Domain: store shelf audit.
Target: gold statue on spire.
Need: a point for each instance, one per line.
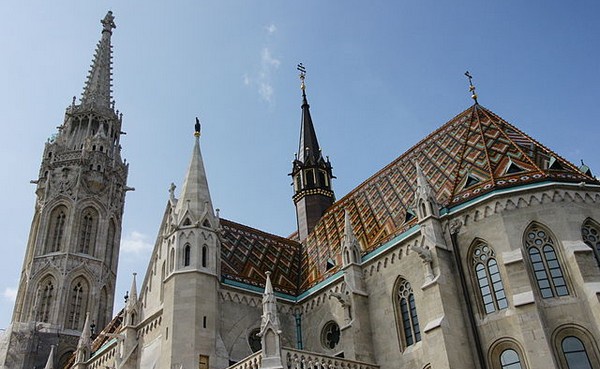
(471, 87)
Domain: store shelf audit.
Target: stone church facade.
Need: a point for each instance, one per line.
(477, 248)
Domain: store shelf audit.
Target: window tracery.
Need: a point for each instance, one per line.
(545, 264)
(590, 232)
(88, 229)
(45, 300)
(489, 280)
(78, 299)
(56, 231)
(407, 318)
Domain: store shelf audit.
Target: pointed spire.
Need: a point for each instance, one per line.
(308, 150)
(350, 246)
(425, 200)
(132, 300)
(50, 362)
(97, 89)
(269, 317)
(195, 196)
(86, 336)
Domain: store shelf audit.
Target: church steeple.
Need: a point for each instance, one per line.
(311, 172)
(194, 203)
(97, 89)
(76, 228)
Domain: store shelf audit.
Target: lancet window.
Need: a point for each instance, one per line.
(575, 353)
(87, 231)
(489, 280)
(187, 250)
(45, 297)
(545, 262)
(509, 359)
(77, 304)
(406, 311)
(56, 232)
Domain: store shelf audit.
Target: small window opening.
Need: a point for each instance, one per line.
(513, 168)
(206, 223)
(204, 322)
(471, 181)
(554, 164)
(330, 263)
(187, 222)
(204, 256)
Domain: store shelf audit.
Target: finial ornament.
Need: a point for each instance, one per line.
(302, 71)
(108, 23)
(471, 87)
(197, 128)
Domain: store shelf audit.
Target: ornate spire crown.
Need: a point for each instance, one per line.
(97, 89)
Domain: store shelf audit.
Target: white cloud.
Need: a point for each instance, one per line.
(271, 28)
(265, 91)
(135, 242)
(10, 294)
(267, 60)
(246, 80)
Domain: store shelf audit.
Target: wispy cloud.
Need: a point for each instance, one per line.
(268, 65)
(135, 242)
(10, 294)
(271, 28)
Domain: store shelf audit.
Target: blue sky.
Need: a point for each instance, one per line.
(381, 76)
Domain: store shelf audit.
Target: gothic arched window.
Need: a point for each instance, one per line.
(489, 280)
(110, 243)
(406, 314)
(187, 250)
(56, 231)
(590, 232)
(171, 260)
(204, 256)
(545, 263)
(77, 304)
(88, 227)
(45, 298)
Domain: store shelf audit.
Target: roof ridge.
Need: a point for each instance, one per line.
(256, 230)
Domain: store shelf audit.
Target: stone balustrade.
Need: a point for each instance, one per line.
(298, 359)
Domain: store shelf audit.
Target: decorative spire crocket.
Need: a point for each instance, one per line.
(97, 89)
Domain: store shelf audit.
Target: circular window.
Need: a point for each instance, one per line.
(254, 340)
(330, 336)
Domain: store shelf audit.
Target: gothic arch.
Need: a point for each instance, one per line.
(45, 300)
(407, 321)
(88, 221)
(590, 233)
(486, 277)
(56, 227)
(585, 338)
(546, 266)
(111, 243)
(77, 304)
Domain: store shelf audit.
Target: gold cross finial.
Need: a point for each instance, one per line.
(197, 128)
(302, 71)
(471, 87)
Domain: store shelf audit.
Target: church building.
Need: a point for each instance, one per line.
(479, 247)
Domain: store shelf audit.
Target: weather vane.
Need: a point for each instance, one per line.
(471, 87)
(302, 71)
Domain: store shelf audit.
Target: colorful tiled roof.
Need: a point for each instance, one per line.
(247, 253)
(474, 153)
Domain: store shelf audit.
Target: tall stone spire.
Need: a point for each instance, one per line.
(311, 172)
(270, 331)
(76, 227)
(425, 200)
(194, 202)
(350, 245)
(97, 89)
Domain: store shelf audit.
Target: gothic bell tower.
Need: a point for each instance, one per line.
(71, 259)
(311, 173)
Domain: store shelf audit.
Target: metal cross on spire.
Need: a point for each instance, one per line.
(471, 87)
(302, 71)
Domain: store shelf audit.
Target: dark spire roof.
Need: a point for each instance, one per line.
(308, 150)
